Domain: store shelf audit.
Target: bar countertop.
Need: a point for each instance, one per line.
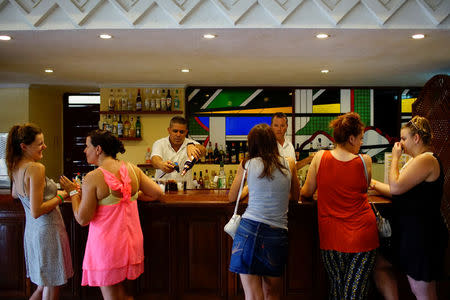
(182, 198)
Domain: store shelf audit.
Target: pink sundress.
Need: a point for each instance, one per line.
(115, 248)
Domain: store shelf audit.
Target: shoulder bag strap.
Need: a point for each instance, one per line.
(240, 189)
(365, 169)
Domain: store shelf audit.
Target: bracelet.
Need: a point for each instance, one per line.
(73, 193)
(60, 197)
(190, 143)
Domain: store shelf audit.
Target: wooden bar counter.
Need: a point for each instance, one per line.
(186, 250)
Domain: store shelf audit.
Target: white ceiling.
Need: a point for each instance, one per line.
(262, 57)
(259, 42)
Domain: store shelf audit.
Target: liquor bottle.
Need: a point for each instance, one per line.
(213, 180)
(138, 101)
(114, 125)
(241, 153)
(230, 179)
(100, 122)
(130, 103)
(319, 144)
(124, 100)
(222, 179)
(111, 101)
(132, 128)
(158, 100)
(163, 101)
(126, 127)
(311, 148)
(221, 154)
(176, 101)
(138, 127)
(227, 154)
(147, 100)
(233, 154)
(108, 124)
(188, 165)
(297, 152)
(147, 156)
(216, 155)
(206, 180)
(210, 158)
(194, 180)
(200, 181)
(118, 101)
(153, 101)
(169, 101)
(120, 127)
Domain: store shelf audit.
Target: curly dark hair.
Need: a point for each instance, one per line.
(110, 144)
(263, 143)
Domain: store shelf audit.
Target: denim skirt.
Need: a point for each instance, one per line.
(259, 249)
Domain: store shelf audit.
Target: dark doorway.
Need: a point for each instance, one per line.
(80, 116)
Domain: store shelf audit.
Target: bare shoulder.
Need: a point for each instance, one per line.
(93, 176)
(367, 158)
(36, 168)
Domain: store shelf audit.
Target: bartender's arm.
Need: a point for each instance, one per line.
(195, 149)
(164, 165)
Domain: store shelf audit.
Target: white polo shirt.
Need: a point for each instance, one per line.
(287, 150)
(163, 149)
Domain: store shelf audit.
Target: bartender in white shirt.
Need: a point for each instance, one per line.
(279, 126)
(175, 148)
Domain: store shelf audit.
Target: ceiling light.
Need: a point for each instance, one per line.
(209, 36)
(48, 71)
(185, 70)
(105, 36)
(325, 71)
(418, 36)
(322, 36)
(5, 37)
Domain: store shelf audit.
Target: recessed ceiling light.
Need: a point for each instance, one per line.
(105, 36)
(325, 71)
(209, 36)
(322, 36)
(48, 71)
(5, 37)
(418, 36)
(185, 70)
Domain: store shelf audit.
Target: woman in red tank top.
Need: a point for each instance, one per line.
(347, 225)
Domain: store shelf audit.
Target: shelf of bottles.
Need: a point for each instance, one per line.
(145, 101)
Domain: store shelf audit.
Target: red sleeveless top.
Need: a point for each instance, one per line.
(346, 220)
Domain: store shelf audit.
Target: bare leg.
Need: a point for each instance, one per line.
(50, 293)
(37, 294)
(423, 290)
(272, 288)
(385, 278)
(113, 292)
(252, 287)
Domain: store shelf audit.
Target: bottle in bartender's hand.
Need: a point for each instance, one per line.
(188, 165)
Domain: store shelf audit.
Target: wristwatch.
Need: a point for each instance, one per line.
(73, 193)
(190, 143)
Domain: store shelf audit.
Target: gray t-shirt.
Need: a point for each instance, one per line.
(268, 201)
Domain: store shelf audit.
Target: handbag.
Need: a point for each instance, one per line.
(384, 228)
(232, 225)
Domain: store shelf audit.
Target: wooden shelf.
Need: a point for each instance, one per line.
(142, 112)
(130, 139)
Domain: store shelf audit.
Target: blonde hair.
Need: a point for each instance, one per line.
(421, 126)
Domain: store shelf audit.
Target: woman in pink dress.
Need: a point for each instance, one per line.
(107, 203)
